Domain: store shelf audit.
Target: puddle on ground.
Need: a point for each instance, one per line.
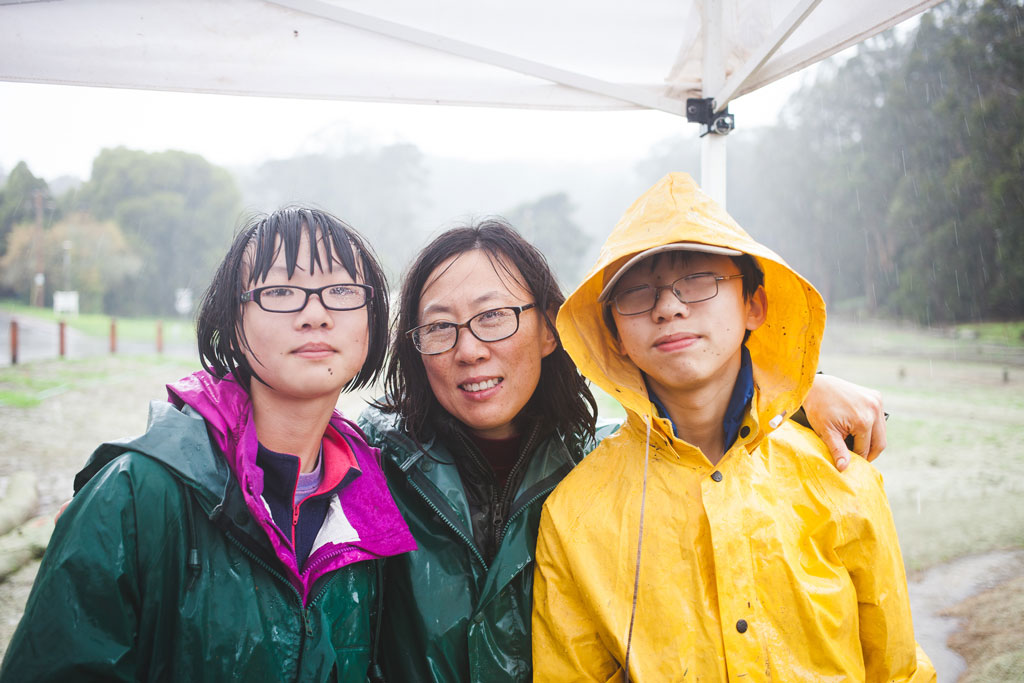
(947, 584)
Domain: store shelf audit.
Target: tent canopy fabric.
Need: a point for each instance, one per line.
(570, 54)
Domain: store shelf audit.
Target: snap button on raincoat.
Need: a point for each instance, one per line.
(770, 565)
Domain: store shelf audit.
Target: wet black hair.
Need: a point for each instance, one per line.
(753, 277)
(562, 396)
(250, 258)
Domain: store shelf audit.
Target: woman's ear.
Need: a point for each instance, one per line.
(549, 342)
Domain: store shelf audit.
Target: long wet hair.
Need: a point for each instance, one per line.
(247, 263)
(562, 396)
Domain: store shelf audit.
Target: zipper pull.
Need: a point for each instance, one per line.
(307, 623)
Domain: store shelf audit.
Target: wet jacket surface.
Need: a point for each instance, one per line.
(449, 615)
(770, 566)
(159, 570)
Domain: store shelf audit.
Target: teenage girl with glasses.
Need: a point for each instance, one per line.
(236, 539)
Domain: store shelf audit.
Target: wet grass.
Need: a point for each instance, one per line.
(29, 384)
(953, 469)
(990, 642)
(1009, 333)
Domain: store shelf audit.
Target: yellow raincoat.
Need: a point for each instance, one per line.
(770, 566)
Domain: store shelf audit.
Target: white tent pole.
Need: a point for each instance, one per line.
(712, 147)
(477, 53)
(783, 31)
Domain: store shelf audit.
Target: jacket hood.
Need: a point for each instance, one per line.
(179, 440)
(784, 350)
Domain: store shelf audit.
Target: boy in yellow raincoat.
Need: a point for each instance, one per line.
(711, 539)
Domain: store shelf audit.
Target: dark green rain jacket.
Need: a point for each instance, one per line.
(158, 572)
(448, 615)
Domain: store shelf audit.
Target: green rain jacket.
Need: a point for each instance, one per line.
(158, 571)
(448, 616)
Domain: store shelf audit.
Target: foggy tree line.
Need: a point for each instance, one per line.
(894, 181)
(142, 227)
(901, 172)
(146, 225)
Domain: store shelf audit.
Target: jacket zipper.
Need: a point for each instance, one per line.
(307, 629)
(330, 555)
(530, 502)
(458, 533)
(523, 456)
(470, 448)
(306, 612)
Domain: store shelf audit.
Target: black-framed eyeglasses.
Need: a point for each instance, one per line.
(342, 296)
(690, 289)
(487, 326)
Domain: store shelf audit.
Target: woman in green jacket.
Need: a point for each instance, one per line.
(485, 413)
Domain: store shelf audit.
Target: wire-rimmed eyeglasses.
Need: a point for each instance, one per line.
(487, 326)
(689, 289)
(342, 296)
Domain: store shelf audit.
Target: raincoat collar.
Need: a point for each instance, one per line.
(374, 528)
(742, 392)
(783, 351)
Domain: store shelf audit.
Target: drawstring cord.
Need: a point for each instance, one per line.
(639, 547)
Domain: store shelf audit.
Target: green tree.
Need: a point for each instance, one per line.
(78, 252)
(20, 197)
(960, 207)
(896, 180)
(547, 223)
(177, 212)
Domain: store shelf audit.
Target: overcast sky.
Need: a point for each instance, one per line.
(58, 130)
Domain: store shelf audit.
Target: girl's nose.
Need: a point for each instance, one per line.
(315, 314)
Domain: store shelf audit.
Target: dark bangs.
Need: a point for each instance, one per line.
(252, 254)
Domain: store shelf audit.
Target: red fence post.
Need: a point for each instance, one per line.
(14, 342)
(61, 329)
(159, 336)
(113, 335)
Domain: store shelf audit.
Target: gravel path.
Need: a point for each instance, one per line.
(53, 439)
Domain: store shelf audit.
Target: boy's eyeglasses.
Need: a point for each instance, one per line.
(690, 289)
(291, 298)
(488, 326)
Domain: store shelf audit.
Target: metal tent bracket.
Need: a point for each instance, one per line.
(702, 111)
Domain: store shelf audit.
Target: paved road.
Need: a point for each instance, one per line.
(39, 340)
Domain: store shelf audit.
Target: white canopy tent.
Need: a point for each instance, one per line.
(548, 54)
